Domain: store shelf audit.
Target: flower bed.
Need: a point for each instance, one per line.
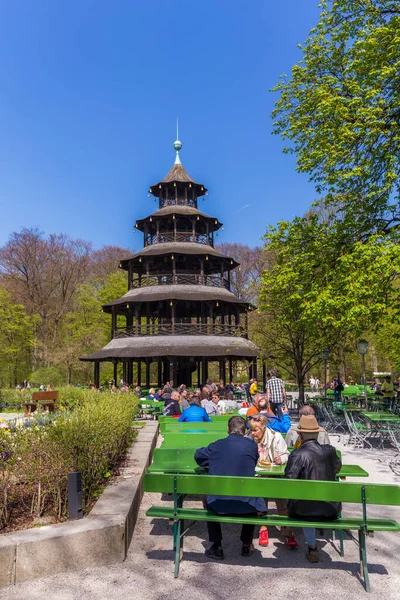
(37, 455)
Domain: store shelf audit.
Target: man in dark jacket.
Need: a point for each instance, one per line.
(235, 455)
(171, 405)
(312, 461)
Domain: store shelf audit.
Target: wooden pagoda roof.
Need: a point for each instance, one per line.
(178, 209)
(178, 248)
(175, 345)
(177, 174)
(197, 293)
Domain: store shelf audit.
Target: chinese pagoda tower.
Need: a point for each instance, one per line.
(179, 310)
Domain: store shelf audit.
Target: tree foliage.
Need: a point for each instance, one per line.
(319, 293)
(340, 111)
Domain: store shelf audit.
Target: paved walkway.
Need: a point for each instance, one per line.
(272, 572)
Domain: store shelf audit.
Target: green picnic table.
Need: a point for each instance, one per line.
(181, 460)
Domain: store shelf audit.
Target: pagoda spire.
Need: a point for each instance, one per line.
(177, 146)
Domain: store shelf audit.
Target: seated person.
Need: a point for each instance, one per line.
(211, 406)
(282, 425)
(292, 437)
(235, 455)
(312, 461)
(151, 394)
(272, 448)
(195, 413)
(171, 405)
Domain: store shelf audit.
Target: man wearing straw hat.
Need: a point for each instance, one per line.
(318, 462)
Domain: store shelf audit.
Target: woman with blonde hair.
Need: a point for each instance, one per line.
(273, 450)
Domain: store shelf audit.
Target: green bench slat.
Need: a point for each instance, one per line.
(262, 487)
(191, 440)
(198, 514)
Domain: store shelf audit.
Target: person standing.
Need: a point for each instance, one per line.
(316, 384)
(312, 383)
(387, 389)
(276, 393)
(253, 388)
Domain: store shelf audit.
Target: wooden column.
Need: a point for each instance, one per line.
(202, 271)
(255, 368)
(158, 230)
(198, 373)
(159, 372)
(129, 276)
(173, 319)
(130, 371)
(137, 318)
(230, 370)
(148, 362)
(221, 369)
(139, 372)
(124, 371)
(113, 320)
(145, 234)
(115, 371)
(96, 374)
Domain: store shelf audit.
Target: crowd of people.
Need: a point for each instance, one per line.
(257, 439)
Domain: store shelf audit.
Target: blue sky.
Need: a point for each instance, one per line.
(90, 91)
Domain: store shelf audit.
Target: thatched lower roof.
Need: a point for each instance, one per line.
(184, 345)
(158, 293)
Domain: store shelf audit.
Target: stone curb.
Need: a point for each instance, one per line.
(101, 538)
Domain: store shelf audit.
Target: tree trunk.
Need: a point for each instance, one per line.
(300, 383)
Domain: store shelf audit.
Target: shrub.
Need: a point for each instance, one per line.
(36, 457)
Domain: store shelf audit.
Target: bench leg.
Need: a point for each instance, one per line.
(341, 545)
(177, 546)
(363, 559)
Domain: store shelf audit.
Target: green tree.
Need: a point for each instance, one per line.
(87, 328)
(318, 293)
(340, 111)
(16, 340)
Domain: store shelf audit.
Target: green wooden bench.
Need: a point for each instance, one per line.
(150, 407)
(171, 424)
(191, 426)
(356, 493)
(192, 440)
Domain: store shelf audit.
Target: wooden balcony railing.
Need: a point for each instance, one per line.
(178, 236)
(178, 202)
(142, 329)
(180, 279)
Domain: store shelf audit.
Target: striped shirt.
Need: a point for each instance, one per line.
(275, 386)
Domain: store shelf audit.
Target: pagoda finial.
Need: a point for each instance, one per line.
(177, 145)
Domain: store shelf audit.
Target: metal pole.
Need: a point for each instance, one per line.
(365, 383)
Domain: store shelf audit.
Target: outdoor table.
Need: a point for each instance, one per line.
(181, 460)
(376, 417)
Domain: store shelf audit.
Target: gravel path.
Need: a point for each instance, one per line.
(274, 571)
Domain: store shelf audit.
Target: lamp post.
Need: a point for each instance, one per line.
(362, 348)
(325, 356)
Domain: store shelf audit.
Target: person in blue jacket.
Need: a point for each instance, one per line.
(281, 425)
(195, 413)
(235, 455)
